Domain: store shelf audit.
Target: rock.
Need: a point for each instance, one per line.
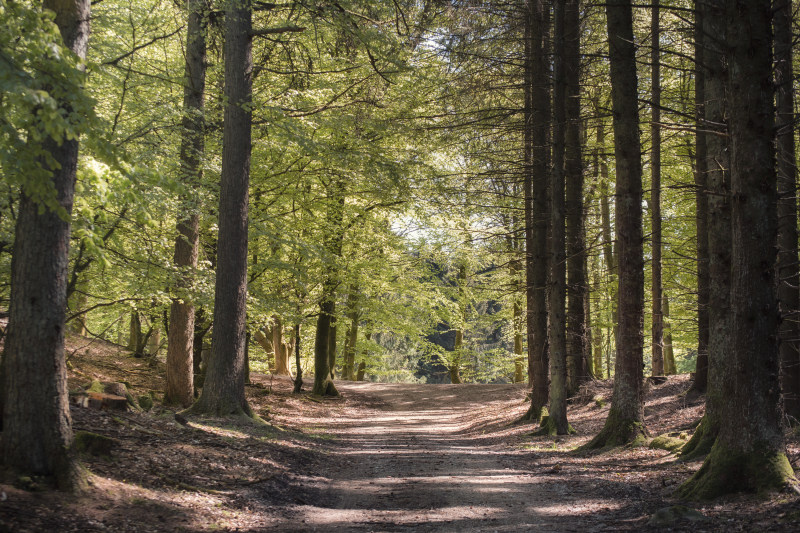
(665, 442)
(668, 516)
(92, 443)
(145, 402)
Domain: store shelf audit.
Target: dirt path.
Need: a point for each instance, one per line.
(434, 458)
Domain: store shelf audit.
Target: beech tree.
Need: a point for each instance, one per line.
(37, 432)
(223, 390)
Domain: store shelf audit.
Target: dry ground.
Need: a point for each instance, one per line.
(385, 457)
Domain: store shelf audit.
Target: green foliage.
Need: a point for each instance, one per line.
(41, 98)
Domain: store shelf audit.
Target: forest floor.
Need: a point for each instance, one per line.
(383, 457)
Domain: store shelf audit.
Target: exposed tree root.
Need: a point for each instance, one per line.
(549, 428)
(617, 432)
(701, 442)
(325, 388)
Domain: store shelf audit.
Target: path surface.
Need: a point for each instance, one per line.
(433, 458)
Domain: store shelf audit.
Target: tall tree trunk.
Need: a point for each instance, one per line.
(788, 274)
(37, 432)
(223, 392)
(556, 422)
(180, 375)
(578, 351)
(655, 192)
(537, 113)
(749, 452)
(700, 381)
(625, 421)
(351, 341)
(718, 224)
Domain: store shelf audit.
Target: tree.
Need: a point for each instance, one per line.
(578, 345)
(788, 270)
(180, 375)
(37, 433)
(749, 452)
(655, 191)
(718, 221)
(625, 422)
(536, 122)
(223, 390)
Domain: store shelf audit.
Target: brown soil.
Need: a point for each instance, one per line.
(385, 457)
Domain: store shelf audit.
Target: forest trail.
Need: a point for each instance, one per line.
(434, 458)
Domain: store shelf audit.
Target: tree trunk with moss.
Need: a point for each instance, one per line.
(37, 432)
(323, 384)
(625, 421)
(718, 224)
(223, 391)
(749, 452)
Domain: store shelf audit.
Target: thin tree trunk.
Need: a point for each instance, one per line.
(298, 378)
(556, 422)
(788, 274)
(655, 192)
(180, 375)
(537, 113)
(749, 452)
(625, 422)
(669, 353)
(37, 432)
(578, 349)
(223, 393)
(700, 381)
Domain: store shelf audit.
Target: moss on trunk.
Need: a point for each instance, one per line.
(618, 431)
(701, 442)
(726, 470)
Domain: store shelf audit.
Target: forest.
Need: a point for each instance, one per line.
(355, 206)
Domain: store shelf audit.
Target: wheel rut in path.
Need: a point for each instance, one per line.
(427, 458)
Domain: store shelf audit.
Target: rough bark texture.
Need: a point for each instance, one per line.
(700, 382)
(578, 351)
(788, 274)
(625, 421)
(37, 432)
(180, 368)
(655, 192)
(556, 287)
(223, 391)
(718, 223)
(537, 112)
(749, 452)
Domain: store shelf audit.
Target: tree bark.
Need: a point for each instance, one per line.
(180, 374)
(788, 274)
(279, 348)
(37, 432)
(749, 452)
(578, 351)
(536, 116)
(655, 192)
(223, 393)
(625, 422)
(556, 422)
(700, 381)
(718, 223)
